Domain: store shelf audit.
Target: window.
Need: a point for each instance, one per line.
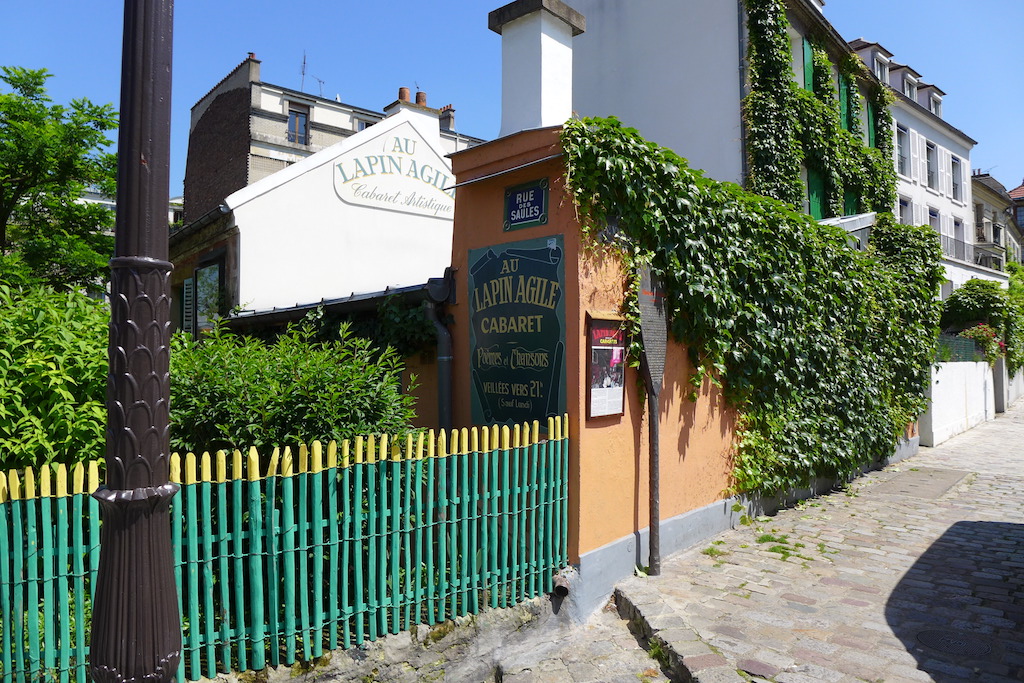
(910, 87)
(298, 123)
(958, 230)
(902, 151)
(931, 155)
(1020, 217)
(933, 219)
(935, 105)
(882, 69)
(957, 176)
(363, 125)
(209, 298)
(906, 211)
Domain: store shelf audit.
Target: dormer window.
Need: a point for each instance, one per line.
(881, 69)
(935, 105)
(910, 87)
(298, 123)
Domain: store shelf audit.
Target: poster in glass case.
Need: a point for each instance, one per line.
(607, 368)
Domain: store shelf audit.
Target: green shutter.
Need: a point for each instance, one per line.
(872, 136)
(844, 102)
(808, 66)
(849, 203)
(815, 193)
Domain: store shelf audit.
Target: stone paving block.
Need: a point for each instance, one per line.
(719, 675)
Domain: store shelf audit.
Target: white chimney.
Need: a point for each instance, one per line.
(536, 62)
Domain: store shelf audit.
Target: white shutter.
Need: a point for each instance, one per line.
(915, 158)
(919, 218)
(945, 163)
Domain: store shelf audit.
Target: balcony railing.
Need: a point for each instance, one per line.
(962, 251)
(958, 249)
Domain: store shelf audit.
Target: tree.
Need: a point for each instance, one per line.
(50, 154)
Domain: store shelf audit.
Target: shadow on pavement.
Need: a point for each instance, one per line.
(960, 608)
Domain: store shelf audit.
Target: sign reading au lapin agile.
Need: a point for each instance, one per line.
(397, 170)
(517, 335)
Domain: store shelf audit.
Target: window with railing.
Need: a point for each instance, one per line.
(931, 155)
(298, 124)
(902, 153)
(956, 173)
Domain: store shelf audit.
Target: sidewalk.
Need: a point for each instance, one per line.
(916, 573)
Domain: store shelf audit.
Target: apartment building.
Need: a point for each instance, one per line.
(932, 158)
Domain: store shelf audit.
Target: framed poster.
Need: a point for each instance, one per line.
(517, 331)
(606, 368)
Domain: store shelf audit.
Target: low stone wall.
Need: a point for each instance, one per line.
(470, 648)
(962, 395)
(1015, 388)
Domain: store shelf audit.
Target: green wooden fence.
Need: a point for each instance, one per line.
(282, 562)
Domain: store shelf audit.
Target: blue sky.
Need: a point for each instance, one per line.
(363, 52)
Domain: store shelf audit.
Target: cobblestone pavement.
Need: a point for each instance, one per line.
(601, 651)
(914, 573)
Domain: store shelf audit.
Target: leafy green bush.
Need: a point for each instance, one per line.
(53, 376)
(988, 339)
(975, 301)
(229, 391)
(1014, 329)
(226, 391)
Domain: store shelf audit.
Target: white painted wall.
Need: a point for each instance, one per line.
(961, 396)
(669, 69)
(959, 272)
(309, 232)
(1015, 388)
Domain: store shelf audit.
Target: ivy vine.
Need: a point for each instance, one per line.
(824, 350)
(789, 126)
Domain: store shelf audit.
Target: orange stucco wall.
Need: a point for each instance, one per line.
(608, 459)
(424, 367)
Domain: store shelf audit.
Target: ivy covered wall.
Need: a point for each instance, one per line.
(824, 349)
(815, 125)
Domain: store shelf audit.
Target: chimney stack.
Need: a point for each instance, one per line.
(536, 62)
(447, 118)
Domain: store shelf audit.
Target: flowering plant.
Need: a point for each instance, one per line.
(984, 336)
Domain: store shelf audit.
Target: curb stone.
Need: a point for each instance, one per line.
(688, 657)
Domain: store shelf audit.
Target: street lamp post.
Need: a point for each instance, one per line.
(136, 628)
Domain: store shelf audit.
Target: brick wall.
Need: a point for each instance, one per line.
(218, 153)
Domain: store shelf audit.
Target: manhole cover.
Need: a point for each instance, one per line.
(921, 482)
(953, 643)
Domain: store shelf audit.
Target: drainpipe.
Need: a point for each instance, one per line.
(439, 292)
(444, 366)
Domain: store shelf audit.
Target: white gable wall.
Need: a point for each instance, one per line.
(363, 215)
(669, 69)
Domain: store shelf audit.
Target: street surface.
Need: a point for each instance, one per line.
(913, 573)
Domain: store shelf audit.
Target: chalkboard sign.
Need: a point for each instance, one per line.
(653, 328)
(517, 331)
(526, 206)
